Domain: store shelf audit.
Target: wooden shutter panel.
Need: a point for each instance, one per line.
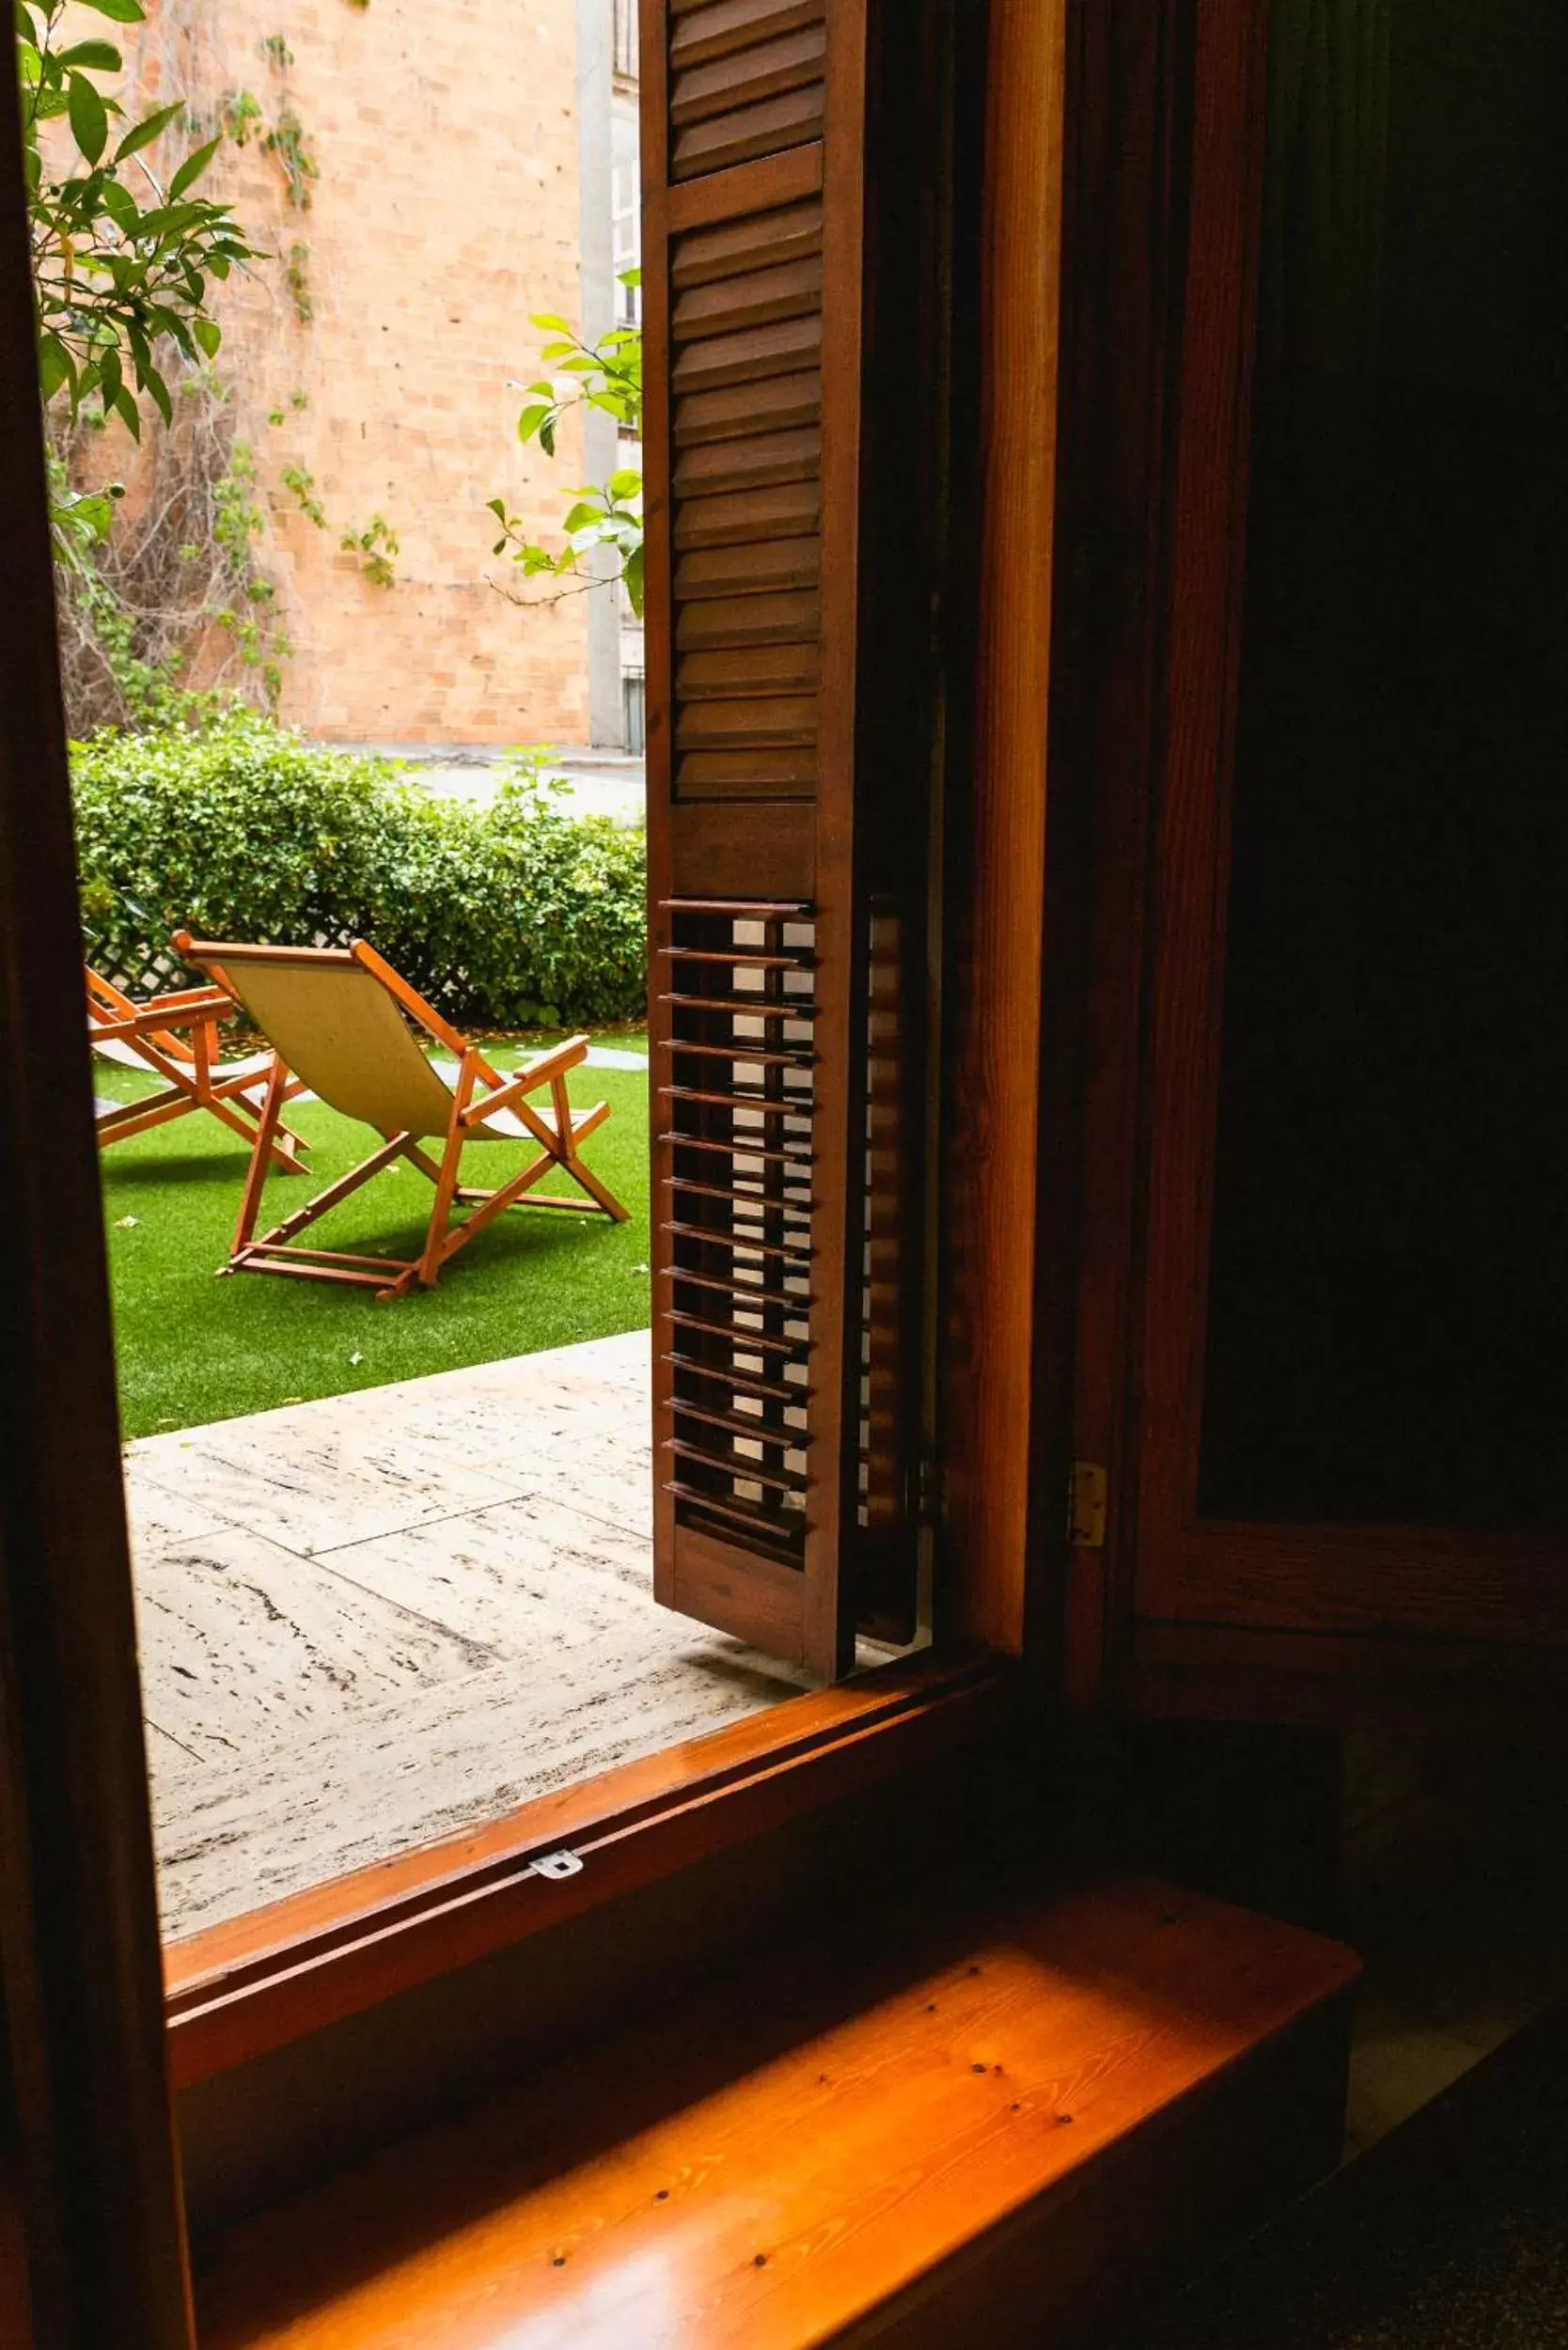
(786, 822)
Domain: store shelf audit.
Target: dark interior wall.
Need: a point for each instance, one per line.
(1390, 1262)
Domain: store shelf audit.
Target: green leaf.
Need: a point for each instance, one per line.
(627, 483)
(634, 577)
(547, 436)
(209, 333)
(121, 11)
(150, 128)
(549, 319)
(120, 205)
(530, 420)
(90, 116)
(153, 383)
(126, 409)
(102, 56)
(55, 367)
(192, 169)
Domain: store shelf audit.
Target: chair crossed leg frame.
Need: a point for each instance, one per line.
(197, 1077)
(558, 1132)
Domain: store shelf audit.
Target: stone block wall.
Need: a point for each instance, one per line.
(388, 331)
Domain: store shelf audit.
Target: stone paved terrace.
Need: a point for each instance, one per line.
(377, 1620)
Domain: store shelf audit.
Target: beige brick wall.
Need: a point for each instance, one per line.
(446, 211)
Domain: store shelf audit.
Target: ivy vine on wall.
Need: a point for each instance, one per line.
(176, 570)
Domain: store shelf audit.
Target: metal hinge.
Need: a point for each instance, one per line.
(927, 1491)
(1086, 1506)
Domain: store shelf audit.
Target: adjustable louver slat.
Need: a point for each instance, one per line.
(764, 241)
(748, 721)
(727, 139)
(740, 518)
(781, 404)
(786, 1318)
(745, 464)
(749, 669)
(737, 1241)
(750, 570)
(793, 290)
(748, 73)
(721, 361)
(703, 30)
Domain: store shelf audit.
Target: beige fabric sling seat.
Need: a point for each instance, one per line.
(175, 1037)
(338, 1019)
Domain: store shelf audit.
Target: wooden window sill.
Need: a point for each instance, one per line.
(252, 1985)
(1003, 2126)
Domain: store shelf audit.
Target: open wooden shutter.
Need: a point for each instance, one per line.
(787, 824)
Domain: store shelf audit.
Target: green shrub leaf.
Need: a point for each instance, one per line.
(503, 916)
(90, 116)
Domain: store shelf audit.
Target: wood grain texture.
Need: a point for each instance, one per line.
(1123, 343)
(784, 404)
(721, 141)
(752, 188)
(756, 240)
(78, 1923)
(724, 305)
(716, 28)
(995, 1082)
(745, 73)
(724, 675)
(776, 2164)
(1207, 566)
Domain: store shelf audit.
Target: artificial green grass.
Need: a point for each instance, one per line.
(192, 1348)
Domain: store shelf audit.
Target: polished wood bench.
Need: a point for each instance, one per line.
(1008, 2129)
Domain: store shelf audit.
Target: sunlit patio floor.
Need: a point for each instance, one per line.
(377, 1620)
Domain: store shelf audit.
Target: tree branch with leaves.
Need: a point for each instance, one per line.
(121, 258)
(605, 375)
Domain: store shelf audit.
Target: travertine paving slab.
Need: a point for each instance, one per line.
(434, 1763)
(244, 1646)
(375, 1621)
(314, 1475)
(519, 1578)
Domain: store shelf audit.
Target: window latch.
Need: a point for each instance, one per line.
(556, 1864)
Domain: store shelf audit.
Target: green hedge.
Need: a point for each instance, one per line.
(511, 915)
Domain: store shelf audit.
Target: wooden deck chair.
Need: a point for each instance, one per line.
(175, 1037)
(336, 1019)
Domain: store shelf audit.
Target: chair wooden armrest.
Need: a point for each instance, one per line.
(170, 1013)
(549, 1066)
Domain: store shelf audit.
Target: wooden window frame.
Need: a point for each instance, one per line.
(1176, 1614)
(92, 2059)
